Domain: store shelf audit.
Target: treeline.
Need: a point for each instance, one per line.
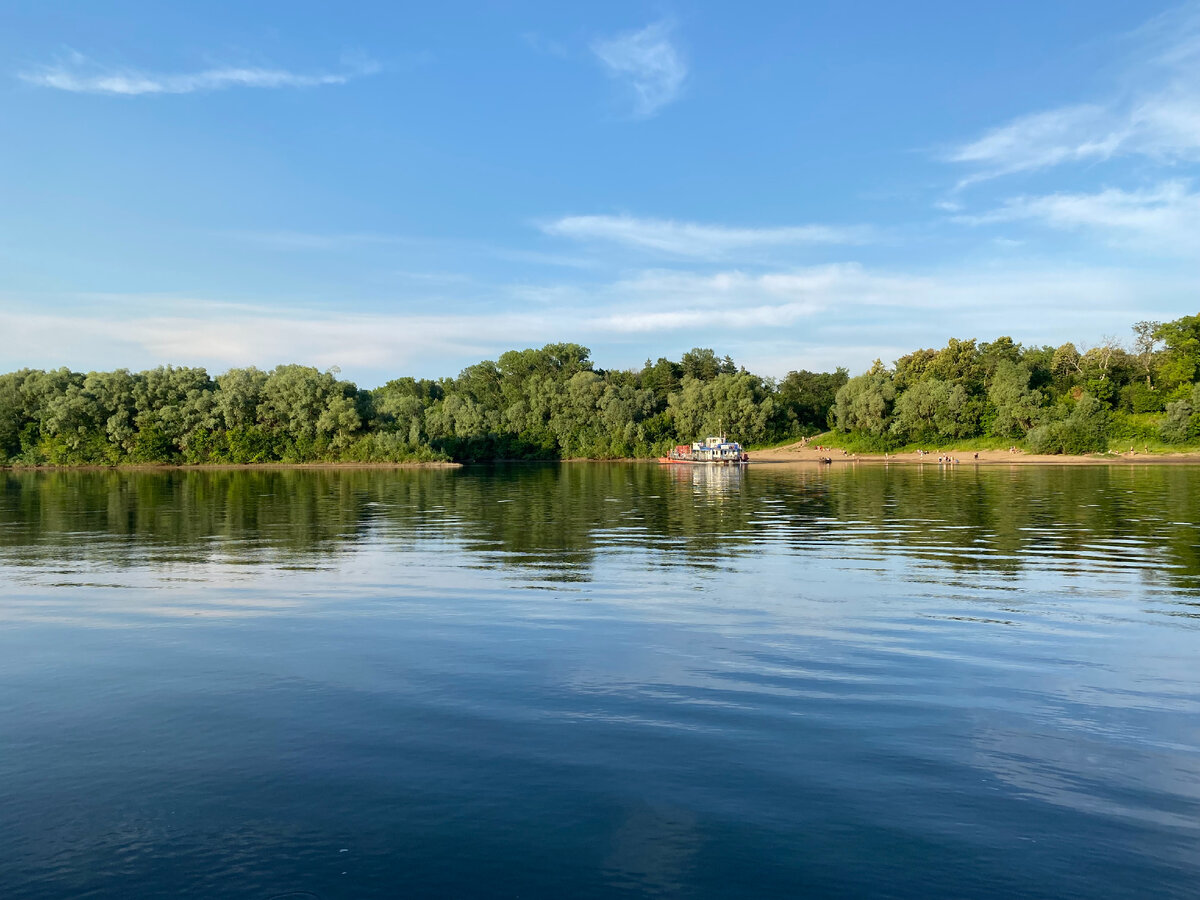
(549, 403)
(553, 403)
(1050, 399)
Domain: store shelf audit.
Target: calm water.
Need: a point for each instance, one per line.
(601, 681)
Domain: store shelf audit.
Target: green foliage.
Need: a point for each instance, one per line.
(1017, 407)
(552, 403)
(807, 398)
(1182, 421)
(1085, 429)
(1139, 397)
(1133, 431)
(702, 363)
(865, 403)
(1181, 363)
(1056, 400)
(918, 410)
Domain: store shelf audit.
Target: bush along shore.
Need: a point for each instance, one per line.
(553, 403)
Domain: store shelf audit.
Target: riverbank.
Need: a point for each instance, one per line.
(802, 452)
(219, 467)
(792, 453)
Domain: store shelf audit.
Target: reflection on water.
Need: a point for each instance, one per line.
(988, 522)
(598, 680)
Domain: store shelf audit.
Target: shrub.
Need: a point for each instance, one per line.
(1085, 430)
(1139, 397)
(1044, 439)
(1176, 427)
(1135, 429)
(1182, 421)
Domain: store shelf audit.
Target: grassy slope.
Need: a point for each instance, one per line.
(1136, 431)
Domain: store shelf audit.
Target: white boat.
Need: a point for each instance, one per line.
(711, 450)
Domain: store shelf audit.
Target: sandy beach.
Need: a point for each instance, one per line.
(801, 452)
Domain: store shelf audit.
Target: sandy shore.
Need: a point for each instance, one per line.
(802, 453)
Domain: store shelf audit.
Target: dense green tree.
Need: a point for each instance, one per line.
(1182, 421)
(1064, 365)
(865, 403)
(661, 379)
(239, 396)
(913, 368)
(12, 418)
(1085, 429)
(310, 407)
(958, 362)
(807, 398)
(733, 404)
(1181, 363)
(960, 416)
(994, 354)
(920, 409)
(399, 407)
(551, 402)
(1017, 407)
(700, 363)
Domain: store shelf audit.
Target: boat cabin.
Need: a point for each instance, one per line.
(717, 448)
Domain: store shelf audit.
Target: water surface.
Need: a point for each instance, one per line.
(601, 681)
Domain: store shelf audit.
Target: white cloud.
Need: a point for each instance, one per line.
(668, 300)
(648, 62)
(221, 335)
(1072, 133)
(79, 75)
(1163, 218)
(1155, 113)
(1049, 302)
(851, 313)
(689, 239)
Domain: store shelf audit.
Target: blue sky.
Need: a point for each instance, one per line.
(408, 188)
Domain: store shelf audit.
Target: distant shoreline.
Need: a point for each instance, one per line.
(218, 467)
(797, 454)
(774, 456)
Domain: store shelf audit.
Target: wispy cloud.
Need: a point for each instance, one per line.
(220, 335)
(1162, 218)
(1155, 113)
(854, 312)
(674, 300)
(882, 305)
(691, 239)
(1044, 139)
(648, 63)
(78, 74)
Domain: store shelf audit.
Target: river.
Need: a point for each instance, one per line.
(601, 680)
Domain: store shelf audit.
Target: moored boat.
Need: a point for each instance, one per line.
(710, 451)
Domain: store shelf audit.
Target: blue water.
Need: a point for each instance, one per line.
(601, 681)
